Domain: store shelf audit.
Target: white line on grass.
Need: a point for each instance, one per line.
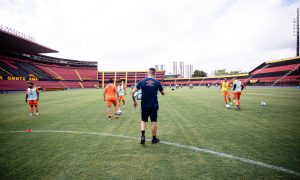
(220, 154)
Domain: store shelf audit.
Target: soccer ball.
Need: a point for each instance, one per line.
(227, 106)
(119, 112)
(138, 95)
(263, 103)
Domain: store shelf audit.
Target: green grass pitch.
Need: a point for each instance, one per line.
(192, 117)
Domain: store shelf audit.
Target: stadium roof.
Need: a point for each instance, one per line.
(209, 77)
(140, 71)
(11, 42)
(285, 59)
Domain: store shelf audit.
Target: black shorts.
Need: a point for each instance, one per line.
(152, 112)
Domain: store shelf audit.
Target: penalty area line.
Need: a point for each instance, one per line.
(207, 151)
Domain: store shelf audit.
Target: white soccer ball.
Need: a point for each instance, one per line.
(227, 106)
(263, 103)
(119, 112)
(138, 95)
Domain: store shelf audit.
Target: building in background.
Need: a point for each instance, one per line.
(157, 67)
(175, 68)
(162, 67)
(181, 68)
(188, 70)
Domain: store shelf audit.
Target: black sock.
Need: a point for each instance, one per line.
(154, 137)
(143, 133)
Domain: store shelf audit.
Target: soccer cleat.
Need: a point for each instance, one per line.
(116, 116)
(36, 113)
(155, 141)
(143, 140)
(238, 108)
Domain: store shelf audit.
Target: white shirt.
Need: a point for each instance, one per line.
(238, 86)
(121, 90)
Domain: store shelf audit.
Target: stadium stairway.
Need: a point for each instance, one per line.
(81, 84)
(290, 72)
(78, 74)
(3, 72)
(31, 69)
(256, 72)
(28, 70)
(13, 70)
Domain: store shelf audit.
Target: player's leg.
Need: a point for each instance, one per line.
(30, 103)
(36, 107)
(229, 99)
(238, 100)
(144, 116)
(119, 103)
(115, 108)
(31, 110)
(153, 118)
(224, 95)
(143, 129)
(123, 100)
(234, 98)
(108, 102)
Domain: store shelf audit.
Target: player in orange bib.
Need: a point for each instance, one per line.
(110, 94)
(225, 87)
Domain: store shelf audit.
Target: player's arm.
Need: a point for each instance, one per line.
(161, 89)
(132, 96)
(243, 86)
(234, 86)
(117, 92)
(220, 87)
(26, 97)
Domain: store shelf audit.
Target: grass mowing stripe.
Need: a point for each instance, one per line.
(220, 154)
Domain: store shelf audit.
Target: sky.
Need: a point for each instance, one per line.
(138, 34)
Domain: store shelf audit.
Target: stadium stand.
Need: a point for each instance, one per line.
(21, 61)
(9, 85)
(69, 73)
(202, 81)
(279, 72)
(129, 77)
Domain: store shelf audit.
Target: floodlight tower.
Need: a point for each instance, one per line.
(296, 23)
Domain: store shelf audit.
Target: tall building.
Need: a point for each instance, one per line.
(181, 68)
(175, 68)
(157, 67)
(162, 67)
(189, 70)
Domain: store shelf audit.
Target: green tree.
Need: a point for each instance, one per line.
(198, 73)
(221, 72)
